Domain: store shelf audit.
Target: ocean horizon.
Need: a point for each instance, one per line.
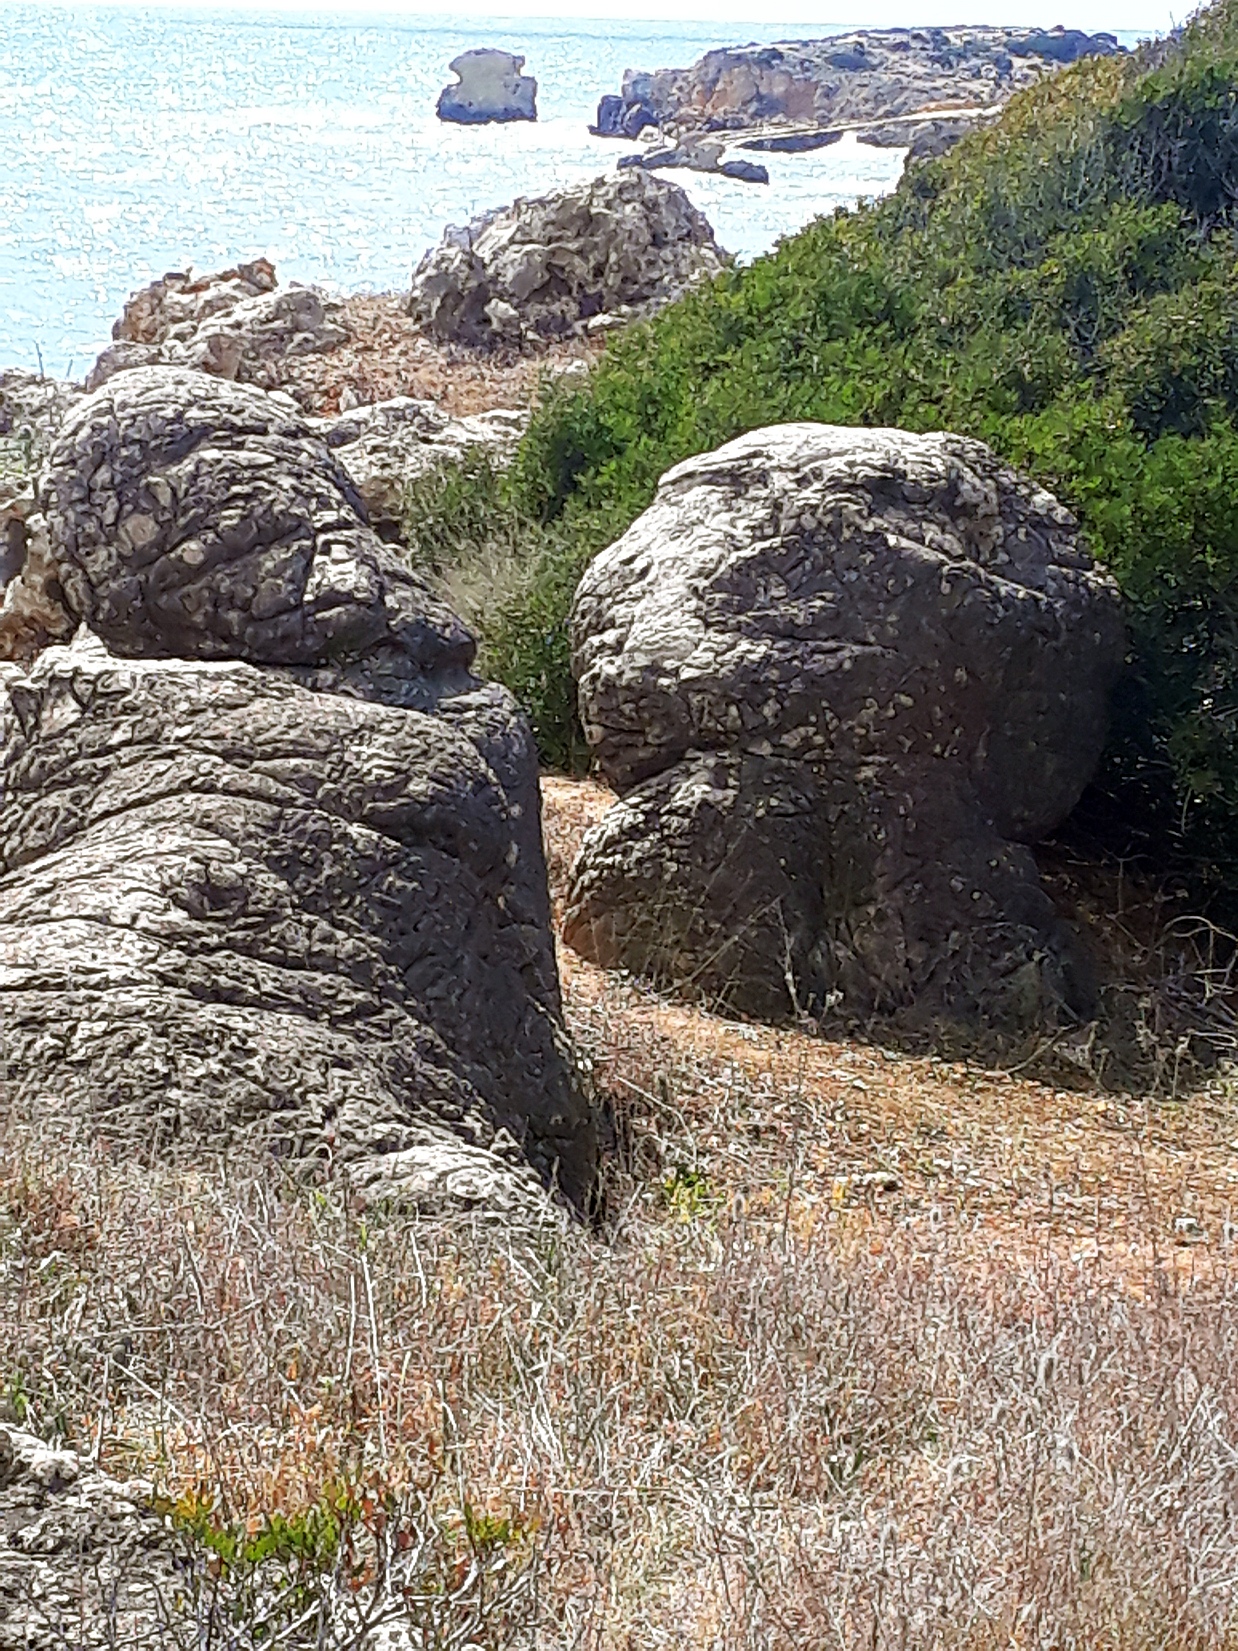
(135, 141)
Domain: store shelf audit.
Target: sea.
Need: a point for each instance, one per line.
(139, 140)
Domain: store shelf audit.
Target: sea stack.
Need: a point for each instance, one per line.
(490, 87)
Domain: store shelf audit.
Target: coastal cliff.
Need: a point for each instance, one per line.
(864, 76)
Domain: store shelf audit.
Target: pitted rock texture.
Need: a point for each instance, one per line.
(237, 324)
(841, 680)
(193, 518)
(83, 1562)
(276, 874)
(619, 245)
(385, 445)
(489, 87)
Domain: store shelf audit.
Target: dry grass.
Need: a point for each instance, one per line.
(872, 1351)
(388, 355)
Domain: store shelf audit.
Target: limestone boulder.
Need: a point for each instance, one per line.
(237, 324)
(489, 87)
(842, 680)
(83, 1560)
(270, 858)
(385, 445)
(546, 268)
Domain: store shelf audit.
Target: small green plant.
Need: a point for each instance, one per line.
(688, 1194)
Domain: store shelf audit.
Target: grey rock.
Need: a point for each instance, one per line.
(385, 445)
(32, 409)
(194, 518)
(270, 858)
(842, 679)
(83, 1561)
(544, 268)
(237, 324)
(923, 139)
(619, 118)
(490, 87)
(864, 76)
(744, 171)
(794, 143)
(697, 155)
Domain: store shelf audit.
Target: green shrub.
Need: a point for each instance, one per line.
(1063, 285)
(510, 575)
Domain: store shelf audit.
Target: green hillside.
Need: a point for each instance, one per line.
(1064, 286)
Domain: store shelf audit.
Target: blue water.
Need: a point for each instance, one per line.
(136, 141)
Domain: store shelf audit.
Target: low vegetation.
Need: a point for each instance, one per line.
(867, 1350)
(1062, 286)
(862, 1359)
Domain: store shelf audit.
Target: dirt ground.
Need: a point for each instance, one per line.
(1108, 1180)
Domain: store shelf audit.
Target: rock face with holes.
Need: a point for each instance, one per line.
(270, 861)
(489, 87)
(842, 680)
(236, 324)
(385, 445)
(618, 246)
(83, 1561)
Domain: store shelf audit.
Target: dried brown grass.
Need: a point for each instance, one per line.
(871, 1351)
(387, 355)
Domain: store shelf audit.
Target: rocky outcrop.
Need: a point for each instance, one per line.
(618, 246)
(842, 679)
(32, 409)
(385, 445)
(617, 118)
(793, 143)
(270, 866)
(83, 1560)
(861, 77)
(924, 138)
(698, 155)
(489, 87)
(238, 324)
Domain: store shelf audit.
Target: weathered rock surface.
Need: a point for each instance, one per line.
(622, 244)
(238, 324)
(32, 409)
(385, 445)
(618, 119)
(698, 155)
(83, 1562)
(794, 143)
(924, 138)
(270, 864)
(32, 612)
(841, 680)
(490, 87)
(864, 76)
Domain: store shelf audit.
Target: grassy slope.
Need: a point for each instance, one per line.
(1063, 286)
(875, 1351)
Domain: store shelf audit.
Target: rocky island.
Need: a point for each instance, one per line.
(807, 90)
(489, 87)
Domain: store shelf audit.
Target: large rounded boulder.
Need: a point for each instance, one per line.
(614, 247)
(270, 860)
(842, 679)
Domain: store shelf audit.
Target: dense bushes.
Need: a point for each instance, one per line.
(1063, 285)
